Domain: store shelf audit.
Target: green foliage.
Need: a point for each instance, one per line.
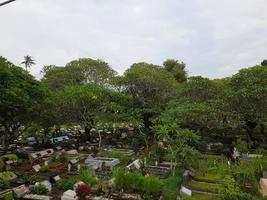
(152, 185)
(40, 189)
(20, 97)
(242, 146)
(235, 194)
(2, 164)
(6, 174)
(44, 168)
(67, 183)
(171, 185)
(134, 182)
(9, 196)
(121, 156)
(176, 68)
(12, 157)
(4, 184)
(87, 176)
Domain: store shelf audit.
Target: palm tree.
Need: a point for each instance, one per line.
(28, 61)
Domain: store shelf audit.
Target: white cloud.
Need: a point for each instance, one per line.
(214, 37)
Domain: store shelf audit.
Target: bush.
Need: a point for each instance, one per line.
(122, 157)
(63, 158)
(44, 168)
(67, 184)
(152, 185)
(87, 177)
(9, 196)
(6, 174)
(13, 157)
(4, 184)
(130, 182)
(134, 182)
(229, 194)
(40, 189)
(83, 190)
(242, 146)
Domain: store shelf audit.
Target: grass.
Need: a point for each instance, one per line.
(204, 185)
(199, 196)
(213, 177)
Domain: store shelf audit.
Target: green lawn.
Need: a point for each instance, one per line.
(212, 177)
(204, 185)
(198, 196)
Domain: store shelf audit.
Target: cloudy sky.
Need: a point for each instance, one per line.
(214, 38)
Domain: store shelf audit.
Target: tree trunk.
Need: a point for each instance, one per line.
(5, 141)
(100, 140)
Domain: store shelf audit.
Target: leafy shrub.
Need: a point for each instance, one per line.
(122, 157)
(9, 196)
(83, 190)
(63, 158)
(230, 194)
(242, 146)
(87, 177)
(54, 158)
(134, 182)
(152, 185)
(40, 189)
(44, 168)
(13, 157)
(67, 184)
(4, 184)
(6, 174)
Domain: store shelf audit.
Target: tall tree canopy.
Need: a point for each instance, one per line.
(151, 88)
(248, 97)
(81, 71)
(177, 69)
(20, 97)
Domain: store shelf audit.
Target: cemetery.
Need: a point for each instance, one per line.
(84, 132)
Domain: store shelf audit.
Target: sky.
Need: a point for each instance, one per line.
(215, 38)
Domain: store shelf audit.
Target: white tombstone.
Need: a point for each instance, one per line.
(69, 195)
(46, 163)
(185, 191)
(21, 191)
(79, 168)
(57, 178)
(69, 167)
(36, 168)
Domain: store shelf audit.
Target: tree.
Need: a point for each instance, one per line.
(264, 63)
(201, 106)
(248, 98)
(81, 71)
(91, 71)
(92, 106)
(151, 87)
(20, 99)
(28, 62)
(177, 69)
(176, 139)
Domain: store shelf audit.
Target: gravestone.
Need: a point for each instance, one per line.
(47, 184)
(73, 161)
(36, 168)
(21, 191)
(36, 197)
(185, 191)
(69, 195)
(54, 179)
